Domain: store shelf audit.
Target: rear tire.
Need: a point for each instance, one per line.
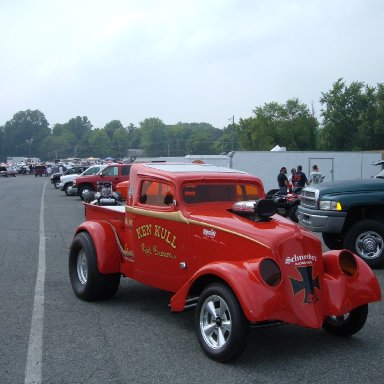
(347, 324)
(86, 280)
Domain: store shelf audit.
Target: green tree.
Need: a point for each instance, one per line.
(288, 125)
(351, 117)
(99, 143)
(154, 139)
(24, 133)
(112, 127)
(79, 126)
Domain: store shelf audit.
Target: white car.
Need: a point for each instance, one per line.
(67, 180)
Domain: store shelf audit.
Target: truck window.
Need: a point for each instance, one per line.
(111, 171)
(223, 192)
(156, 193)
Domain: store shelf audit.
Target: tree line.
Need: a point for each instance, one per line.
(351, 119)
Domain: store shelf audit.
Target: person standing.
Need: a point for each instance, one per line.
(293, 170)
(299, 179)
(282, 181)
(315, 177)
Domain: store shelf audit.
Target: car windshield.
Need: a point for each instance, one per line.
(196, 193)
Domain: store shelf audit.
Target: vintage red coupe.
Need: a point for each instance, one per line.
(207, 235)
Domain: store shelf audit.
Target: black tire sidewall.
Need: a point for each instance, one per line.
(354, 323)
(293, 213)
(82, 241)
(332, 240)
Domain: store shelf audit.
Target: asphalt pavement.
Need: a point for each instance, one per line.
(48, 335)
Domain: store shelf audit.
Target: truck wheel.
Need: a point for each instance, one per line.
(57, 184)
(347, 324)
(84, 190)
(87, 282)
(293, 213)
(366, 239)
(67, 189)
(332, 240)
(221, 326)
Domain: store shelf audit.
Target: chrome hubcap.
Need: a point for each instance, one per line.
(215, 322)
(369, 245)
(82, 268)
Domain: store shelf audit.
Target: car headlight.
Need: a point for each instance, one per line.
(330, 205)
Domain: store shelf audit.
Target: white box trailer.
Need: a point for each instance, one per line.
(333, 165)
(266, 164)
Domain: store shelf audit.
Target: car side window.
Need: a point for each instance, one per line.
(156, 193)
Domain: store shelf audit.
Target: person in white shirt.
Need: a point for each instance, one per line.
(315, 177)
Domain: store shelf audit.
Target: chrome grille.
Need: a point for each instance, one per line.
(309, 197)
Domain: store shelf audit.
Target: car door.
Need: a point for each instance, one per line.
(160, 239)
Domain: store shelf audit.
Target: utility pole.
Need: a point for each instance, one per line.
(233, 129)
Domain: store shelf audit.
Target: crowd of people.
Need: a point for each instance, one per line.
(298, 179)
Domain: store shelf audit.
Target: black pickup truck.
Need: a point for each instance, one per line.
(350, 214)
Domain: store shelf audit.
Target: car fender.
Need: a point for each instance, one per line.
(253, 294)
(106, 246)
(342, 292)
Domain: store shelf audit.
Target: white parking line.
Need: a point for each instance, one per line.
(33, 368)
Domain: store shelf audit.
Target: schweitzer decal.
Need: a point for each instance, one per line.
(308, 283)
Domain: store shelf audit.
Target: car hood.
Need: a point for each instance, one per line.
(270, 233)
(346, 186)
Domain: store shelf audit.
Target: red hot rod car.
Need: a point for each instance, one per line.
(207, 235)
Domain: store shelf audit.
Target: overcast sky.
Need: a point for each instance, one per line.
(181, 61)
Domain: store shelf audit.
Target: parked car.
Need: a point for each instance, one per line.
(40, 170)
(66, 181)
(55, 177)
(7, 172)
(115, 173)
(349, 214)
(122, 188)
(206, 235)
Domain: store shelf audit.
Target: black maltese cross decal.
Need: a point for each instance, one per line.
(308, 283)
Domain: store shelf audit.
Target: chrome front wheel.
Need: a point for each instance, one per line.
(215, 322)
(220, 323)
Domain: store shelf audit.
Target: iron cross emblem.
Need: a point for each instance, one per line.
(308, 283)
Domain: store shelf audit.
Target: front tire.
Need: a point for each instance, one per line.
(332, 240)
(293, 213)
(366, 240)
(83, 190)
(347, 324)
(67, 189)
(221, 326)
(86, 280)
